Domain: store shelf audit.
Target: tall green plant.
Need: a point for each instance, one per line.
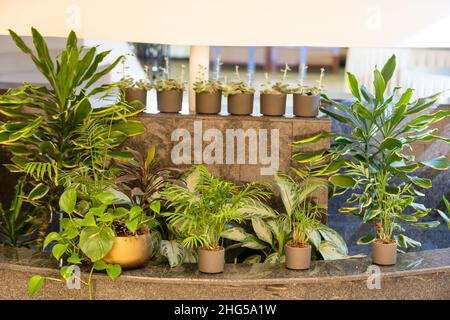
(203, 205)
(372, 161)
(43, 127)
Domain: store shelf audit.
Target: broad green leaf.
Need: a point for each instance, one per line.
(235, 233)
(403, 242)
(388, 69)
(253, 243)
(66, 272)
(333, 238)
(129, 127)
(314, 237)
(52, 236)
(58, 250)
(426, 225)
(256, 258)
(155, 206)
(274, 258)
(150, 157)
(262, 230)
(68, 200)
(96, 242)
(439, 163)
(88, 220)
(260, 210)
(315, 138)
(330, 252)
(366, 239)
(390, 144)
(106, 197)
(39, 191)
(82, 110)
(174, 251)
(74, 258)
(380, 85)
(406, 96)
(342, 180)
(113, 271)
(353, 85)
(100, 265)
(421, 182)
(34, 284)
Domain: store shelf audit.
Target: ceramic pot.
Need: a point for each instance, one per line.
(306, 106)
(297, 258)
(273, 104)
(169, 101)
(211, 261)
(384, 254)
(208, 103)
(133, 94)
(131, 251)
(241, 103)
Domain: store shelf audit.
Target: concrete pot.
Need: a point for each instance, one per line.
(130, 252)
(297, 258)
(273, 104)
(384, 254)
(241, 103)
(211, 261)
(208, 103)
(133, 94)
(169, 101)
(306, 106)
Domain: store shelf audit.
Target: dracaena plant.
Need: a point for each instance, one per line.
(279, 87)
(166, 83)
(372, 162)
(43, 125)
(238, 86)
(202, 205)
(89, 228)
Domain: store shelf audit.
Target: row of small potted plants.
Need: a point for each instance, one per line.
(240, 94)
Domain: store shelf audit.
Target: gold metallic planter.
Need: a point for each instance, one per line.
(130, 252)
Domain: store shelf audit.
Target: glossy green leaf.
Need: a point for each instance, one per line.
(52, 236)
(262, 230)
(421, 182)
(96, 242)
(353, 85)
(342, 180)
(235, 233)
(39, 191)
(379, 84)
(113, 271)
(388, 69)
(58, 250)
(253, 243)
(174, 251)
(366, 239)
(34, 284)
(439, 163)
(390, 144)
(68, 200)
(426, 225)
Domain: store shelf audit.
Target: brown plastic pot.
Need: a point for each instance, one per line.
(306, 106)
(211, 261)
(208, 103)
(130, 252)
(297, 258)
(133, 94)
(384, 254)
(169, 101)
(241, 103)
(273, 104)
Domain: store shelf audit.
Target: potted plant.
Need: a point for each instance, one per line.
(202, 206)
(169, 91)
(307, 99)
(273, 96)
(135, 90)
(46, 149)
(373, 164)
(240, 95)
(208, 93)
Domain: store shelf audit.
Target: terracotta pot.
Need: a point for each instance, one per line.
(211, 261)
(130, 252)
(297, 258)
(133, 94)
(384, 254)
(169, 101)
(208, 103)
(306, 106)
(273, 104)
(241, 103)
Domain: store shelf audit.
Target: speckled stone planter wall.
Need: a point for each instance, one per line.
(421, 275)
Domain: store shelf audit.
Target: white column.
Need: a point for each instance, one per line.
(199, 55)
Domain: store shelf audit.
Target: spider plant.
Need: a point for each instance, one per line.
(202, 206)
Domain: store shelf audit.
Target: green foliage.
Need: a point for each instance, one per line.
(444, 216)
(372, 162)
(18, 227)
(166, 83)
(210, 86)
(202, 205)
(279, 87)
(238, 86)
(308, 90)
(46, 126)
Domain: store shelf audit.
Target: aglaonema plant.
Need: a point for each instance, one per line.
(372, 161)
(43, 123)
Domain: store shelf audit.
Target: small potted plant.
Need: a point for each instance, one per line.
(208, 93)
(307, 99)
(240, 95)
(169, 91)
(273, 96)
(201, 207)
(135, 90)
